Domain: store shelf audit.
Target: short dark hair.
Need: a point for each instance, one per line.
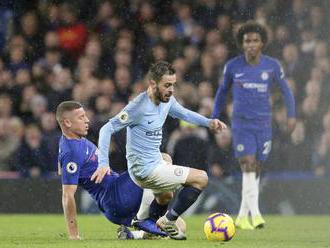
(66, 106)
(251, 27)
(160, 69)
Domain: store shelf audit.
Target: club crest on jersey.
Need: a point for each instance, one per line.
(264, 76)
(71, 167)
(178, 171)
(123, 117)
(240, 147)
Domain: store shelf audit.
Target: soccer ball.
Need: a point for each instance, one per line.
(219, 227)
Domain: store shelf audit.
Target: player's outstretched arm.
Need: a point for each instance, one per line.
(103, 158)
(70, 210)
(125, 118)
(216, 125)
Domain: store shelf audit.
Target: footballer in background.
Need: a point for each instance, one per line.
(251, 76)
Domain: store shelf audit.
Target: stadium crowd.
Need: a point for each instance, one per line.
(98, 53)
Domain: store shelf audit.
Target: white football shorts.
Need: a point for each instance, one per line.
(165, 177)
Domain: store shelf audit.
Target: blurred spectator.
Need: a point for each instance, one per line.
(52, 59)
(8, 144)
(6, 20)
(38, 107)
(206, 106)
(207, 12)
(221, 160)
(16, 128)
(321, 156)
(5, 106)
(17, 59)
(308, 42)
(318, 22)
(185, 22)
(122, 81)
(196, 155)
(52, 16)
(51, 136)
(33, 154)
(171, 42)
(278, 158)
(31, 30)
(300, 155)
(107, 88)
(51, 40)
(282, 37)
(205, 89)
(146, 13)
(59, 84)
(294, 65)
(28, 92)
(297, 16)
(209, 69)
(243, 10)
(72, 33)
(103, 17)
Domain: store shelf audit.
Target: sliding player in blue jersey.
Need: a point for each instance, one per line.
(144, 118)
(250, 76)
(118, 197)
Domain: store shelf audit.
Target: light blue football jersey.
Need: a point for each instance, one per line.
(144, 122)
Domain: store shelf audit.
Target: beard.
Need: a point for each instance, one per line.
(159, 96)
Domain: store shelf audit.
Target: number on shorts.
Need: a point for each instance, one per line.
(267, 147)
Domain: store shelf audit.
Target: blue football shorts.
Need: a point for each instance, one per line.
(255, 141)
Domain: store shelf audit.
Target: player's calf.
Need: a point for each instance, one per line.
(195, 183)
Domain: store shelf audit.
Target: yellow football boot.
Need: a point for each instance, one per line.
(243, 223)
(258, 222)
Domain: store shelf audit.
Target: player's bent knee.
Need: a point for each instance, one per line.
(197, 179)
(204, 179)
(164, 198)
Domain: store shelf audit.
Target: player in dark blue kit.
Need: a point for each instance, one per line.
(118, 197)
(250, 77)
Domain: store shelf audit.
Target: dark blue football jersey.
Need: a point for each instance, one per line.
(117, 196)
(251, 88)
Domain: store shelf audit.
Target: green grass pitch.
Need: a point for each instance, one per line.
(49, 231)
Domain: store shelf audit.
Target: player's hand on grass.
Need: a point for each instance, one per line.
(100, 173)
(291, 124)
(216, 125)
(76, 237)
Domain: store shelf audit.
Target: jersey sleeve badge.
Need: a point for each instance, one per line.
(123, 117)
(71, 167)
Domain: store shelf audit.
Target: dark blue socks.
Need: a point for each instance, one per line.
(185, 198)
(157, 210)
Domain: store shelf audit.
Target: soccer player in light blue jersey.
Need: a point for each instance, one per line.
(144, 118)
(250, 76)
(117, 197)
